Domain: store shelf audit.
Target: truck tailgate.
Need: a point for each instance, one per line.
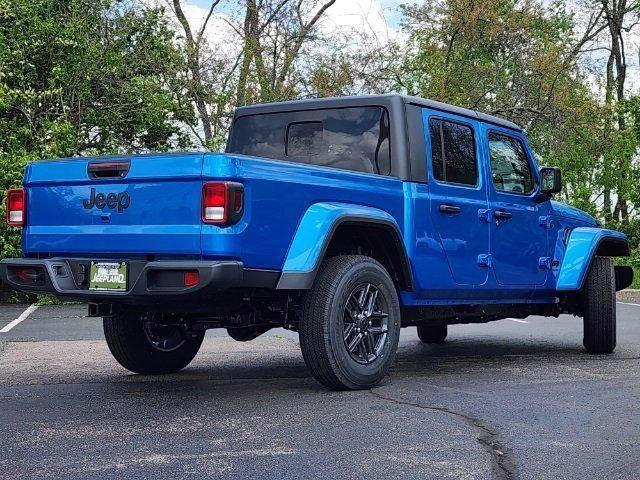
(152, 208)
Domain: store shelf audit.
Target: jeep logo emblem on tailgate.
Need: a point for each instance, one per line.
(109, 200)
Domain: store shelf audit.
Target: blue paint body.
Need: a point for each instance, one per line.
(315, 228)
(291, 210)
(582, 245)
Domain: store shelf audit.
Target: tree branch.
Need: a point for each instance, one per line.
(304, 32)
(272, 16)
(206, 21)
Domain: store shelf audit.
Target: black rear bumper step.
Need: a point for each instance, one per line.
(65, 277)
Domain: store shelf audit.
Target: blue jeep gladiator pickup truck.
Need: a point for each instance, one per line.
(342, 219)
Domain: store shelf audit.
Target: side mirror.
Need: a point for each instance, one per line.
(550, 180)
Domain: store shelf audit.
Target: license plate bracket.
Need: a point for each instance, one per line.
(108, 276)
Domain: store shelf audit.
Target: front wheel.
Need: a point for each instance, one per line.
(599, 307)
(143, 343)
(350, 323)
(432, 333)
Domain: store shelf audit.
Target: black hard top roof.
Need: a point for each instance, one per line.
(362, 100)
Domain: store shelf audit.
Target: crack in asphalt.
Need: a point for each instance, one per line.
(503, 461)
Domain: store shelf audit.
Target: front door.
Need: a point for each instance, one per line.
(519, 227)
(458, 194)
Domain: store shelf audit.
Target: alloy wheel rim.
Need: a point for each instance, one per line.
(366, 323)
(165, 338)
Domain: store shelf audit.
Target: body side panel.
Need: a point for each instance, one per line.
(433, 279)
(278, 195)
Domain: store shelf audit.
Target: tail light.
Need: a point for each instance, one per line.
(191, 279)
(16, 207)
(28, 276)
(222, 202)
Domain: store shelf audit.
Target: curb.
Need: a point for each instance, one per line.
(628, 294)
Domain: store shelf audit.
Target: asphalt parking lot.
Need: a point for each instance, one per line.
(509, 399)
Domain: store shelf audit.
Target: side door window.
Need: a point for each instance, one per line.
(510, 166)
(453, 152)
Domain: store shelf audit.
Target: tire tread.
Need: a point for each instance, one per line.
(599, 302)
(314, 327)
(432, 333)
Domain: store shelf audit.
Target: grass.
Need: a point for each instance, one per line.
(47, 300)
(40, 300)
(636, 278)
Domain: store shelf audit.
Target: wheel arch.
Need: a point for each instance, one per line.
(585, 243)
(326, 230)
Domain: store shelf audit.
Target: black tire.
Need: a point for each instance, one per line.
(136, 349)
(327, 319)
(599, 307)
(432, 333)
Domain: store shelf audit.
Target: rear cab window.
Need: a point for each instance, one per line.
(351, 138)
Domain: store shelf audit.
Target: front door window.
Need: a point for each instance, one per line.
(509, 164)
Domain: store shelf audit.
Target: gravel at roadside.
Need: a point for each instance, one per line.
(629, 296)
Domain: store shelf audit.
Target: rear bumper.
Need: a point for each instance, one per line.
(146, 281)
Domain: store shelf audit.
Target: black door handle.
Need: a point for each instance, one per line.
(449, 209)
(500, 214)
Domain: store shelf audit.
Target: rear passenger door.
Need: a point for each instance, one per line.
(458, 194)
(519, 231)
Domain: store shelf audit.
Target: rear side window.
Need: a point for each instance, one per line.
(509, 164)
(453, 152)
(354, 138)
(306, 138)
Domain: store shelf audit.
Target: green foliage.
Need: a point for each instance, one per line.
(84, 77)
(497, 55)
(43, 300)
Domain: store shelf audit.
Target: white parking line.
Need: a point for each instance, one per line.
(517, 320)
(627, 303)
(23, 316)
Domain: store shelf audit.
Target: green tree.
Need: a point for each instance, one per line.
(522, 60)
(84, 77)
(272, 37)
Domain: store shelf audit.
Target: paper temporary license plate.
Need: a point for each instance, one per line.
(108, 276)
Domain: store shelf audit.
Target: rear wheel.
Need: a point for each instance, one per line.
(142, 343)
(599, 307)
(432, 333)
(350, 323)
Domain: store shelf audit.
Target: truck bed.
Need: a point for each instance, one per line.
(163, 218)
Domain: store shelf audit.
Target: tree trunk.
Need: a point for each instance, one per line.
(246, 61)
(607, 205)
(614, 15)
(192, 50)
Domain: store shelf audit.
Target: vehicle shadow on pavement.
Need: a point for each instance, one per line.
(493, 349)
(224, 360)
